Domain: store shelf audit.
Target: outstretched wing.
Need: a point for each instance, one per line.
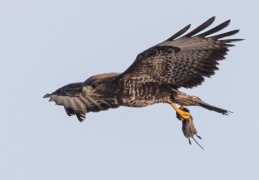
(70, 96)
(183, 62)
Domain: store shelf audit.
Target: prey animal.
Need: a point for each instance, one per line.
(188, 128)
(181, 61)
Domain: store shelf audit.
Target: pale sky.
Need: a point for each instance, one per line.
(45, 44)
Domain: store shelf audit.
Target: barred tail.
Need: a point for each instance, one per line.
(184, 99)
(213, 108)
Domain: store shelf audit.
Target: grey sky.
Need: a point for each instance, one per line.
(47, 44)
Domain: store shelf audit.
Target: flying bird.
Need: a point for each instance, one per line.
(183, 60)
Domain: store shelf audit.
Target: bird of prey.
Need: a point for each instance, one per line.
(183, 60)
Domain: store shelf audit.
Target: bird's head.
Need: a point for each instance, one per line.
(98, 84)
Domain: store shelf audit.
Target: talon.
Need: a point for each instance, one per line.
(183, 114)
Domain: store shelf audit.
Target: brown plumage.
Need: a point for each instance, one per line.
(155, 75)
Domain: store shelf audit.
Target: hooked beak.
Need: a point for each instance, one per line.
(87, 90)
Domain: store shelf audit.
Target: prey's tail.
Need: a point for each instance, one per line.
(196, 142)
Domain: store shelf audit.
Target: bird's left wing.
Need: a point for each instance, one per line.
(182, 62)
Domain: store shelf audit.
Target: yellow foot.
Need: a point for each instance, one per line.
(183, 114)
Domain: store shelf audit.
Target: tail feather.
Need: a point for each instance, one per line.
(213, 108)
(184, 99)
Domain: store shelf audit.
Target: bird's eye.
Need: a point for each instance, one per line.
(94, 85)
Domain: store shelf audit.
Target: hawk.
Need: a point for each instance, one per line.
(183, 60)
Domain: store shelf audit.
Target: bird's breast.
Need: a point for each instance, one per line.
(136, 94)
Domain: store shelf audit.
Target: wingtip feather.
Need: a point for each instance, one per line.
(201, 27)
(179, 33)
(46, 95)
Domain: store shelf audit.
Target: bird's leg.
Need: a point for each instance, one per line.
(183, 114)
